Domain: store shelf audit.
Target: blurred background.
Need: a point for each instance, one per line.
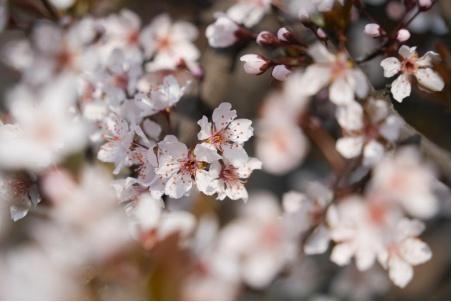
(225, 80)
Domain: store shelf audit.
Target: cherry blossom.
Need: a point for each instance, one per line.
(169, 43)
(249, 12)
(226, 134)
(305, 211)
(336, 71)
(367, 131)
(45, 131)
(179, 167)
(223, 32)
(154, 224)
(404, 178)
(258, 241)
(404, 251)
(411, 65)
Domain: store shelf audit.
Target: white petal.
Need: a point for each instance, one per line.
(239, 131)
(178, 185)
(179, 221)
(365, 258)
(206, 152)
(350, 147)
(341, 92)
(315, 78)
(406, 51)
(320, 53)
(391, 66)
(401, 88)
(207, 182)
(281, 72)
(415, 251)
(318, 242)
(350, 116)
(427, 59)
(400, 272)
(223, 115)
(235, 154)
(206, 128)
(360, 82)
(373, 153)
(390, 129)
(429, 79)
(341, 254)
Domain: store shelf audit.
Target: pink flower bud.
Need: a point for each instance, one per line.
(321, 33)
(266, 38)
(425, 4)
(254, 64)
(403, 35)
(284, 35)
(372, 30)
(281, 72)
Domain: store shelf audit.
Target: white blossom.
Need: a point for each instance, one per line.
(411, 65)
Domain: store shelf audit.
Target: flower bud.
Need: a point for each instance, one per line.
(425, 4)
(372, 30)
(403, 35)
(255, 64)
(281, 72)
(285, 36)
(320, 33)
(266, 38)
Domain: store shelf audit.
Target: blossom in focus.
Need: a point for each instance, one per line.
(226, 134)
(336, 71)
(411, 65)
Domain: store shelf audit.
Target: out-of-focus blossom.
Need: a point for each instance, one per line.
(170, 44)
(404, 251)
(336, 71)
(62, 4)
(411, 65)
(44, 130)
(306, 211)
(249, 12)
(281, 144)
(223, 32)
(154, 224)
(308, 8)
(367, 131)
(403, 178)
(258, 241)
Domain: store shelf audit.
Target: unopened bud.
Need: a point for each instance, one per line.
(255, 64)
(425, 4)
(372, 30)
(403, 35)
(266, 38)
(281, 72)
(321, 33)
